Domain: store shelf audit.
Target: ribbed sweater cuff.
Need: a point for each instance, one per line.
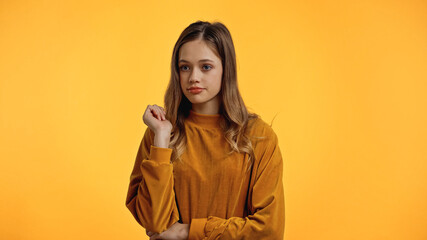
(197, 229)
(160, 154)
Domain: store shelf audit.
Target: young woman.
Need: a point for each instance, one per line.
(206, 168)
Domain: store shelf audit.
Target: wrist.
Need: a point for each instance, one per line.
(162, 139)
(163, 133)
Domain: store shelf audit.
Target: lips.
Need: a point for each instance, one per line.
(195, 90)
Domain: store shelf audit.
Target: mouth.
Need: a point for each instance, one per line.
(195, 90)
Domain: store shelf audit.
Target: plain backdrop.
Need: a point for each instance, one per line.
(344, 83)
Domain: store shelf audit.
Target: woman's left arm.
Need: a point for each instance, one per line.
(267, 204)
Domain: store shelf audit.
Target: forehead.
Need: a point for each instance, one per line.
(196, 50)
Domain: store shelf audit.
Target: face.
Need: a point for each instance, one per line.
(201, 69)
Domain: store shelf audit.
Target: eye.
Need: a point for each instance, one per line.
(183, 67)
(207, 66)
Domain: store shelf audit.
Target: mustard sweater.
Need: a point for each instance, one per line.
(209, 190)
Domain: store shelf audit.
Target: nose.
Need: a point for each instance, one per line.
(194, 76)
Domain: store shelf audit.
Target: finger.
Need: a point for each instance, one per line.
(161, 112)
(160, 107)
(155, 112)
(148, 110)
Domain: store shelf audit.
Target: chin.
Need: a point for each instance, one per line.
(196, 100)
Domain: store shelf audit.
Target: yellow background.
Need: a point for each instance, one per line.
(346, 81)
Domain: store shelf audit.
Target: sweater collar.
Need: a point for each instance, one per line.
(204, 120)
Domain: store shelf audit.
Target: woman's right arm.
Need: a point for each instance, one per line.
(151, 196)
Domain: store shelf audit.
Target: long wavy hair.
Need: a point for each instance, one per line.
(234, 122)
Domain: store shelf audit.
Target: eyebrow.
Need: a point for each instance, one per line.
(202, 60)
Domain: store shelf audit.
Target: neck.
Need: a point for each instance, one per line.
(204, 120)
(211, 107)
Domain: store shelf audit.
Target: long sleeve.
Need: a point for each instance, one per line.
(265, 202)
(151, 196)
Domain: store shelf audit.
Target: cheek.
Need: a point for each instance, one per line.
(181, 78)
(182, 88)
(218, 80)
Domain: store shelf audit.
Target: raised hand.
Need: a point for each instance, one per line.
(155, 118)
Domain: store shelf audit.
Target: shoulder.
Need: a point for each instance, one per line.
(262, 136)
(259, 129)
(265, 144)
